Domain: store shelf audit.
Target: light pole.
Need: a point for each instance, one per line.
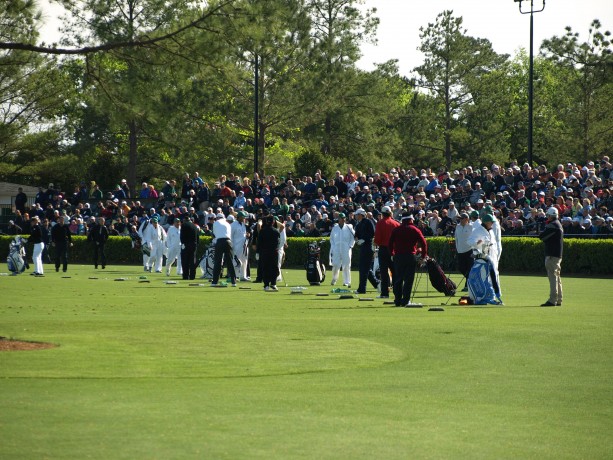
(256, 120)
(531, 71)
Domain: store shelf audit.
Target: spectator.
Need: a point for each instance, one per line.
(21, 199)
(13, 229)
(553, 237)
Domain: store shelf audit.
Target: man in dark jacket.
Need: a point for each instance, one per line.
(189, 244)
(553, 237)
(268, 250)
(364, 234)
(61, 239)
(99, 235)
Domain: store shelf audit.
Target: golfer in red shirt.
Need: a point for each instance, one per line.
(405, 243)
(383, 231)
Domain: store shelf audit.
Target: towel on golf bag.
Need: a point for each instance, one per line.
(483, 287)
(439, 280)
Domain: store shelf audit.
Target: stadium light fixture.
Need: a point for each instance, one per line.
(531, 12)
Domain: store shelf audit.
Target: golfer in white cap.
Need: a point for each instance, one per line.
(222, 233)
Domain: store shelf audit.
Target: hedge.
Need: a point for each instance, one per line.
(523, 255)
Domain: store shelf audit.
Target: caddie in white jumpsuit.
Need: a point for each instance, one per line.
(155, 237)
(342, 240)
(173, 244)
(240, 243)
(141, 232)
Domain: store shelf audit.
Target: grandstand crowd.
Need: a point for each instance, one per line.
(309, 205)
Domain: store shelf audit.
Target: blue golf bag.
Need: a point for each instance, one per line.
(483, 284)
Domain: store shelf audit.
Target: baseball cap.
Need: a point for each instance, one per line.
(220, 216)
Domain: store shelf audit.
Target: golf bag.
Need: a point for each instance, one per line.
(483, 286)
(16, 259)
(207, 263)
(315, 268)
(438, 279)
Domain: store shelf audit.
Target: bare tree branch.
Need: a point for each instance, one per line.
(111, 46)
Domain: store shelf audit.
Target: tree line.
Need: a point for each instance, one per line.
(148, 89)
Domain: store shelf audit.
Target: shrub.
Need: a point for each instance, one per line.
(526, 255)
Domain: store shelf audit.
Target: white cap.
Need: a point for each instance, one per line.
(220, 216)
(552, 212)
(359, 212)
(230, 218)
(386, 210)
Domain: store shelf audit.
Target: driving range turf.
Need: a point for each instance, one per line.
(156, 370)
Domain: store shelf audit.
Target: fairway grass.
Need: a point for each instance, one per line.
(159, 371)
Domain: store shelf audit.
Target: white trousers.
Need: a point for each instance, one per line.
(157, 252)
(239, 252)
(281, 255)
(37, 257)
(174, 253)
(346, 273)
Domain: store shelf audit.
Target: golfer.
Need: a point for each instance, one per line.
(405, 243)
(383, 231)
(553, 237)
(36, 237)
(342, 240)
(223, 249)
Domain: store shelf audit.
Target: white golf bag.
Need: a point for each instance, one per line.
(207, 263)
(16, 259)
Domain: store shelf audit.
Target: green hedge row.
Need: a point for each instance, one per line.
(581, 256)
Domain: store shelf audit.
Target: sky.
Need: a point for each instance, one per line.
(497, 20)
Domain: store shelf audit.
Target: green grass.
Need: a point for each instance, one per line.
(173, 371)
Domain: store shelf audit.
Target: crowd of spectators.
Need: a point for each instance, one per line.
(309, 206)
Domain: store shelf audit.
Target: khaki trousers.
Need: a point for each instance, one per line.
(554, 266)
